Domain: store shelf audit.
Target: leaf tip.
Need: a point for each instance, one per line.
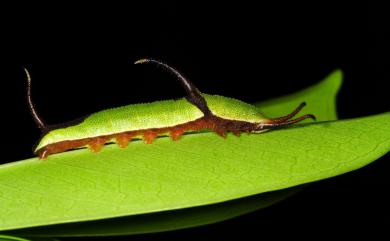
(335, 77)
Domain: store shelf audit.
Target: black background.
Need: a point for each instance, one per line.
(80, 59)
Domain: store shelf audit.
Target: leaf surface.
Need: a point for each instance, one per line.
(202, 169)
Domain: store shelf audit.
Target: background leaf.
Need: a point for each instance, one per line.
(12, 238)
(79, 186)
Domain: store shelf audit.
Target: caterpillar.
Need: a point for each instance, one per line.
(195, 112)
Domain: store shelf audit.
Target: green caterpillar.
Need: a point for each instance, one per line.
(197, 111)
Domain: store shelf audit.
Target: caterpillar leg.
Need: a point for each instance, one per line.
(43, 154)
(149, 136)
(96, 144)
(124, 139)
(176, 133)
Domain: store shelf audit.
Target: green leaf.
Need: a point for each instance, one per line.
(12, 238)
(162, 221)
(201, 169)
